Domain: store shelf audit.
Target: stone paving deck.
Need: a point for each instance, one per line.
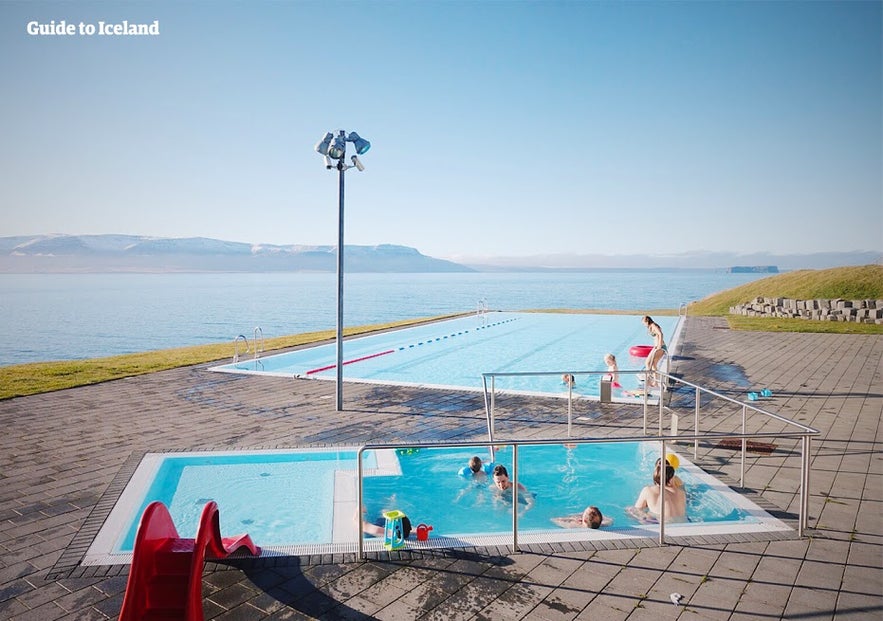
(61, 452)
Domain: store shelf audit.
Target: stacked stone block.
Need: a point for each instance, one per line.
(861, 311)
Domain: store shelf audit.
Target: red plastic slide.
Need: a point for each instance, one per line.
(165, 579)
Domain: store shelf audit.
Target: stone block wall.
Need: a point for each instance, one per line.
(862, 311)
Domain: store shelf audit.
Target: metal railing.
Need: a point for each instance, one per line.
(668, 383)
(515, 444)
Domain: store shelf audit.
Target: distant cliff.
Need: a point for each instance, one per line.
(132, 253)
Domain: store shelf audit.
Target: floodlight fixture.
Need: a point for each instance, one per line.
(337, 148)
(359, 143)
(322, 145)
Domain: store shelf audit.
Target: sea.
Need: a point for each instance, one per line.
(76, 316)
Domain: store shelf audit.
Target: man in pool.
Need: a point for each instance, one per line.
(590, 518)
(503, 487)
(649, 501)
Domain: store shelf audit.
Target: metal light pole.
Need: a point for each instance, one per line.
(334, 148)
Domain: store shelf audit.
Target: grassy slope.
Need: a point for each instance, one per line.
(849, 283)
(852, 283)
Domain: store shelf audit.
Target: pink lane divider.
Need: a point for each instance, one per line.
(331, 366)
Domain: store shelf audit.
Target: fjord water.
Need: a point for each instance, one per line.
(74, 316)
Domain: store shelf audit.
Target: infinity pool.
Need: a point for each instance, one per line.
(304, 501)
(455, 352)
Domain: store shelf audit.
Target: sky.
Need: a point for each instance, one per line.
(498, 128)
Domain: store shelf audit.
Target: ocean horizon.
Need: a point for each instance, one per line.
(77, 316)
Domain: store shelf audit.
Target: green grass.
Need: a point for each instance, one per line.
(851, 283)
(38, 377)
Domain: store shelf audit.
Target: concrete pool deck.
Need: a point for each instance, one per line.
(61, 454)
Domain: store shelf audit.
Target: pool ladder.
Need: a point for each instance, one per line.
(256, 346)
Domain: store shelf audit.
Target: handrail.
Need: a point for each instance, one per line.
(258, 350)
(665, 381)
(662, 439)
(242, 338)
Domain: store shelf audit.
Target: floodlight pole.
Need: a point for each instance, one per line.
(332, 148)
(341, 167)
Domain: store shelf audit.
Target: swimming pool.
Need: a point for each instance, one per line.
(305, 501)
(454, 353)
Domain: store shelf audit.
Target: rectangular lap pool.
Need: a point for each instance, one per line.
(454, 353)
(305, 501)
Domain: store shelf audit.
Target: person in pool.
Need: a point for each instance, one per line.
(649, 503)
(568, 380)
(672, 461)
(590, 518)
(476, 468)
(503, 486)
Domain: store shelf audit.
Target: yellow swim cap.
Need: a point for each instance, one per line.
(673, 460)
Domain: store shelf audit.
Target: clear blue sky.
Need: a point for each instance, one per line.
(497, 128)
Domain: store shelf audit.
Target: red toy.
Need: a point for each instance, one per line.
(165, 578)
(423, 532)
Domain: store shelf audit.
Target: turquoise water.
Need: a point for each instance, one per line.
(273, 496)
(456, 352)
(288, 498)
(562, 480)
(73, 316)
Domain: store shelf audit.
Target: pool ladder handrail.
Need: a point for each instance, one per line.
(242, 338)
(256, 346)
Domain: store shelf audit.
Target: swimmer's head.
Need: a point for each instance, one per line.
(592, 517)
(669, 473)
(567, 378)
(475, 463)
(501, 477)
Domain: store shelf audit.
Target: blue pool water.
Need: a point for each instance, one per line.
(288, 498)
(456, 352)
(268, 494)
(563, 481)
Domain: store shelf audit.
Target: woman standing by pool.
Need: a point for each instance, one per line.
(659, 349)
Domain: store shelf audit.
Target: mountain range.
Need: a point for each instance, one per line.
(135, 253)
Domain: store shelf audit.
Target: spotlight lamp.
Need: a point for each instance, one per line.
(322, 145)
(359, 143)
(337, 148)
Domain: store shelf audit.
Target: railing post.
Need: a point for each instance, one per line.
(361, 508)
(515, 497)
(659, 383)
(744, 447)
(569, 408)
(662, 472)
(645, 405)
(493, 404)
(696, 424)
